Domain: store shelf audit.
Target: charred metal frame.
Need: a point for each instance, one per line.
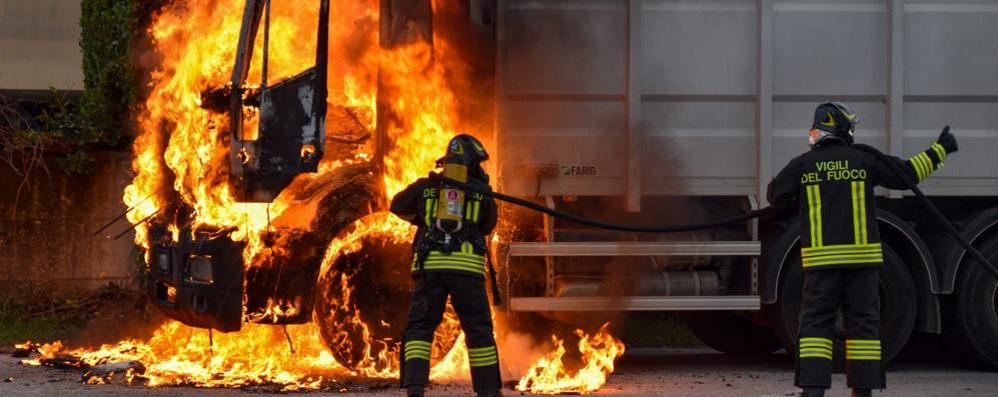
(292, 116)
(200, 280)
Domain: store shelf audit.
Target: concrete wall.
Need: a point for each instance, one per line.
(39, 45)
(48, 241)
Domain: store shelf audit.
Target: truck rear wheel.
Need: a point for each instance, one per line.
(897, 307)
(362, 301)
(974, 308)
(731, 332)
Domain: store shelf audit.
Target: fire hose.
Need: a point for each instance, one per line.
(911, 185)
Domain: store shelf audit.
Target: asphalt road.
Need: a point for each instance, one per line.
(659, 372)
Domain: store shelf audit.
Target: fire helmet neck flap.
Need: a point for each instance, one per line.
(464, 157)
(833, 120)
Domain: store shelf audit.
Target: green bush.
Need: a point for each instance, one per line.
(109, 78)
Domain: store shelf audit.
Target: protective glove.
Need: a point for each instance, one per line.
(947, 141)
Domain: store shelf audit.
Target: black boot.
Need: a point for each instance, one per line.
(414, 391)
(813, 392)
(490, 393)
(862, 393)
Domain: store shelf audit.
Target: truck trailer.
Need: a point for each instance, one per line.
(644, 112)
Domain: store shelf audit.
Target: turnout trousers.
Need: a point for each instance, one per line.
(857, 292)
(470, 301)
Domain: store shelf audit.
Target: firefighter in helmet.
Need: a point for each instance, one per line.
(840, 245)
(449, 259)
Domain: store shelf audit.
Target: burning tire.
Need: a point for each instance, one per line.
(897, 307)
(361, 299)
(974, 309)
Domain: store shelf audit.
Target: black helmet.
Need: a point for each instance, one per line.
(468, 151)
(836, 119)
(464, 149)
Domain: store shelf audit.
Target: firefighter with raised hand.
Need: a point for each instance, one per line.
(840, 245)
(449, 259)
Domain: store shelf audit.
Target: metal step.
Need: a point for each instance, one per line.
(633, 303)
(655, 248)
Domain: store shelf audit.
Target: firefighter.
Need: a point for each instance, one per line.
(449, 259)
(840, 244)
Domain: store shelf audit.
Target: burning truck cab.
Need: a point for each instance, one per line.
(264, 203)
(200, 279)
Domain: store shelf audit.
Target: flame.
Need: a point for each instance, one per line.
(181, 159)
(550, 376)
(258, 354)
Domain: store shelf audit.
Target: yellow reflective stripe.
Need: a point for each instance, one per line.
(868, 357)
(417, 349)
(940, 152)
(429, 210)
(861, 189)
(827, 356)
(841, 249)
(810, 215)
(481, 350)
(815, 345)
(928, 161)
(858, 238)
(926, 165)
(454, 262)
(484, 357)
(458, 256)
(474, 214)
(814, 214)
(919, 170)
(484, 362)
(466, 248)
(429, 266)
(844, 260)
(863, 342)
(812, 339)
(467, 210)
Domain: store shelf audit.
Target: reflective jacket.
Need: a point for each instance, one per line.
(833, 187)
(417, 204)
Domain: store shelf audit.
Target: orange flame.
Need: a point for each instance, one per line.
(550, 376)
(181, 156)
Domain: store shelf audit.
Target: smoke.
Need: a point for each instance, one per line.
(518, 352)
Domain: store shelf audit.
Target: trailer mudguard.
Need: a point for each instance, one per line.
(895, 232)
(950, 254)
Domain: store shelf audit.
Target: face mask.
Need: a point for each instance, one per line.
(814, 136)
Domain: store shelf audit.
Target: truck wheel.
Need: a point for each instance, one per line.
(974, 308)
(731, 332)
(361, 304)
(897, 307)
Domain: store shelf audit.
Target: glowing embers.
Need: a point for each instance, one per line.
(183, 356)
(553, 374)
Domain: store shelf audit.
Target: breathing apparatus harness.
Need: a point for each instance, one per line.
(446, 231)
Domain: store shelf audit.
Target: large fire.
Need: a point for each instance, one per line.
(181, 155)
